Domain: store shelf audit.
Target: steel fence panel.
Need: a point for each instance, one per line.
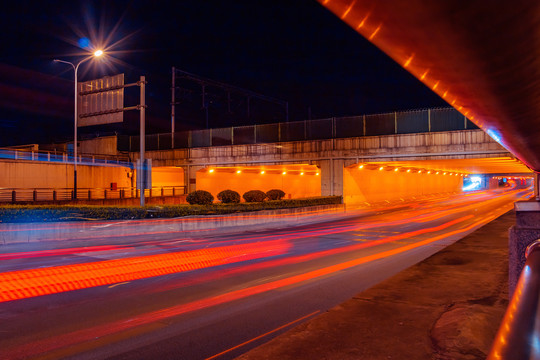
(165, 141)
(267, 133)
(200, 138)
(319, 129)
(152, 142)
(349, 126)
(412, 122)
(446, 119)
(380, 124)
(244, 135)
(222, 136)
(293, 131)
(181, 139)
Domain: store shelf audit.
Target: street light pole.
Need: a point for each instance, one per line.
(76, 116)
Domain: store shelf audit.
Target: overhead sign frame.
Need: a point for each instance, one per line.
(101, 101)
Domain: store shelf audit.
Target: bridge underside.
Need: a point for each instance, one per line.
(481, 57)
(492, 165)
(361, 182)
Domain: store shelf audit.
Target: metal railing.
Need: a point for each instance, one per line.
(54, 156)
(518, 336)
(36, 195)
(402, 122)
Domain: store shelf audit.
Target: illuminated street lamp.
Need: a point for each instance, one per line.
(97, 53)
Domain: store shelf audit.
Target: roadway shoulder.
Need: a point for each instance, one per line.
(448, 306)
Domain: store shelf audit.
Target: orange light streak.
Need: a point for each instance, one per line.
(374, 32)
(408, 61)
(100, 331)
(263, 335)
(348, 10)
(43, 281)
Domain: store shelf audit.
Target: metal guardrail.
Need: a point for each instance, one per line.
(50, 156)
(36, 195)
(401, 122)
(519, 334)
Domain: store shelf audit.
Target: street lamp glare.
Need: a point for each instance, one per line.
(98, 53)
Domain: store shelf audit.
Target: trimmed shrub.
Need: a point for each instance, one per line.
(254, 196)
(275, 194)
(228, 196)
(200, 197)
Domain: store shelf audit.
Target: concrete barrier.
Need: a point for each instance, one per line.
(141, 230)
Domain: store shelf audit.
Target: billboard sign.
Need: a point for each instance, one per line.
(101, 101)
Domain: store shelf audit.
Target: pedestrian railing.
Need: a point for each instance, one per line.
(519, 334)
(36, 195)
(53, 156)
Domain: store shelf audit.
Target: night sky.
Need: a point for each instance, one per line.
(295, 51)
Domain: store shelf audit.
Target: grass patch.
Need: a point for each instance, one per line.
(44, 213)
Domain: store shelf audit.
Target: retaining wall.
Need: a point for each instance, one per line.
(11, 233)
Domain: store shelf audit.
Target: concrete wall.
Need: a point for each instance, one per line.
(34, 174)
(294, 186)
(167, 176)
(363, 185)
(451, 144)
(11, 233)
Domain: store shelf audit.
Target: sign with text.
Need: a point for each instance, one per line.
(101, 101)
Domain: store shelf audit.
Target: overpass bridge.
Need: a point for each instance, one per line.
(417, 149)
(424, 142)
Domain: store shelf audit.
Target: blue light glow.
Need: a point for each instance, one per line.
(495, 135)
(84, 43)
(472, 183)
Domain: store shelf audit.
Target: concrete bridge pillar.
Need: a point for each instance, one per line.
(191, 177)
(331, 177)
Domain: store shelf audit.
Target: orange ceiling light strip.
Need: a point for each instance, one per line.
(36, 282)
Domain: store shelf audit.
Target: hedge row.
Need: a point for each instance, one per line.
(203, 197)
(30, 213)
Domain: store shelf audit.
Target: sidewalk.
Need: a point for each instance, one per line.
(447, 307)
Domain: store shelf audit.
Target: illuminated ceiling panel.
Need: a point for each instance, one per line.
(502, 165)
(292, 169)
(482, 57)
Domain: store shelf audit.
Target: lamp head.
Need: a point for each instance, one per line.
(98, 53)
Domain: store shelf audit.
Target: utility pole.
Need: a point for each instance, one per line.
(142, 136)
(173, 89)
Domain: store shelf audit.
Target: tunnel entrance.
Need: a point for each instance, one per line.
(297, 181)
(377, 182)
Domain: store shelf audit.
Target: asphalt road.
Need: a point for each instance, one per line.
(171, 297)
